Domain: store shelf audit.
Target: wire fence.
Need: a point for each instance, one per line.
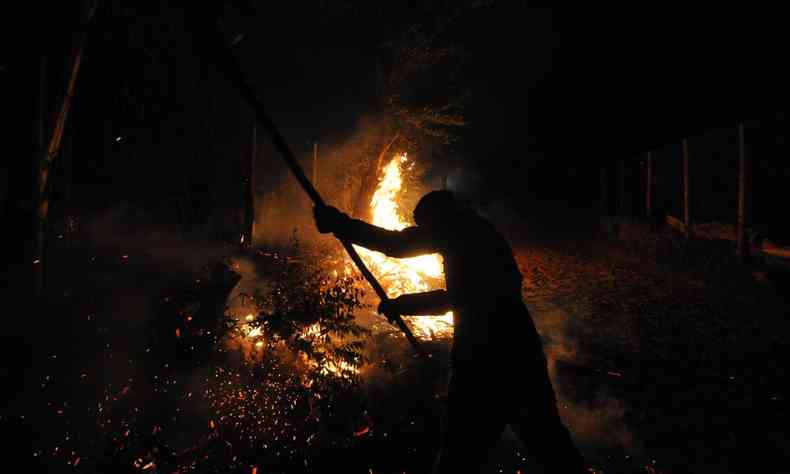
(700, 178)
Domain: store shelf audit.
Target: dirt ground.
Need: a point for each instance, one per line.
(669, 363)
(675, 359)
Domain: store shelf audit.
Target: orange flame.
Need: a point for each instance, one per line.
(408, 275)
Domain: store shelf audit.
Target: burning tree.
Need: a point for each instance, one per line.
(413, 114)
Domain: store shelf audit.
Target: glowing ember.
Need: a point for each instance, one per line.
(408, 275)
(251, 336)
(330, 366)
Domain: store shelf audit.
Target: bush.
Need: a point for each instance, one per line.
(310, 313)
(299, 377)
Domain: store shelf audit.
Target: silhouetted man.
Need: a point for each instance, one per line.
(499, 373)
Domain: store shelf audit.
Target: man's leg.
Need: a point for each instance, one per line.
(471, 426)
(539, 426)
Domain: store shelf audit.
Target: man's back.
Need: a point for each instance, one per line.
(478, 261)
(484, 286)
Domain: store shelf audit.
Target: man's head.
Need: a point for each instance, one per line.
(435, 207)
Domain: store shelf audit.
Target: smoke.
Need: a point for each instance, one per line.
(344, 171)
(94, 373)
(145, 239)
(597, 418)
(586, 388)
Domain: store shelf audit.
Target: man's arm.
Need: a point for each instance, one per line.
(409, 242)
(430, 302)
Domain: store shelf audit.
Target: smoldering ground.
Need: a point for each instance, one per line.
(587, 386)
(115, 384)
(599, 419)
(91, 374)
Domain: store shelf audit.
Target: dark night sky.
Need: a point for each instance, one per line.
(558, 88)
(550, 89)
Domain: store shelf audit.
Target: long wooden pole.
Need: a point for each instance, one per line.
(743, 188)
(53, 149)
(60, 124)
(686, 190)
(230, 66)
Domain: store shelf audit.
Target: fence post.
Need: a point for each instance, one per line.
(622, 188)
(604, 194)
(743, 164)
(315, 165)
(649, 184)
(686, 190)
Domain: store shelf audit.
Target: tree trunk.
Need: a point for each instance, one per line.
(369, 181)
